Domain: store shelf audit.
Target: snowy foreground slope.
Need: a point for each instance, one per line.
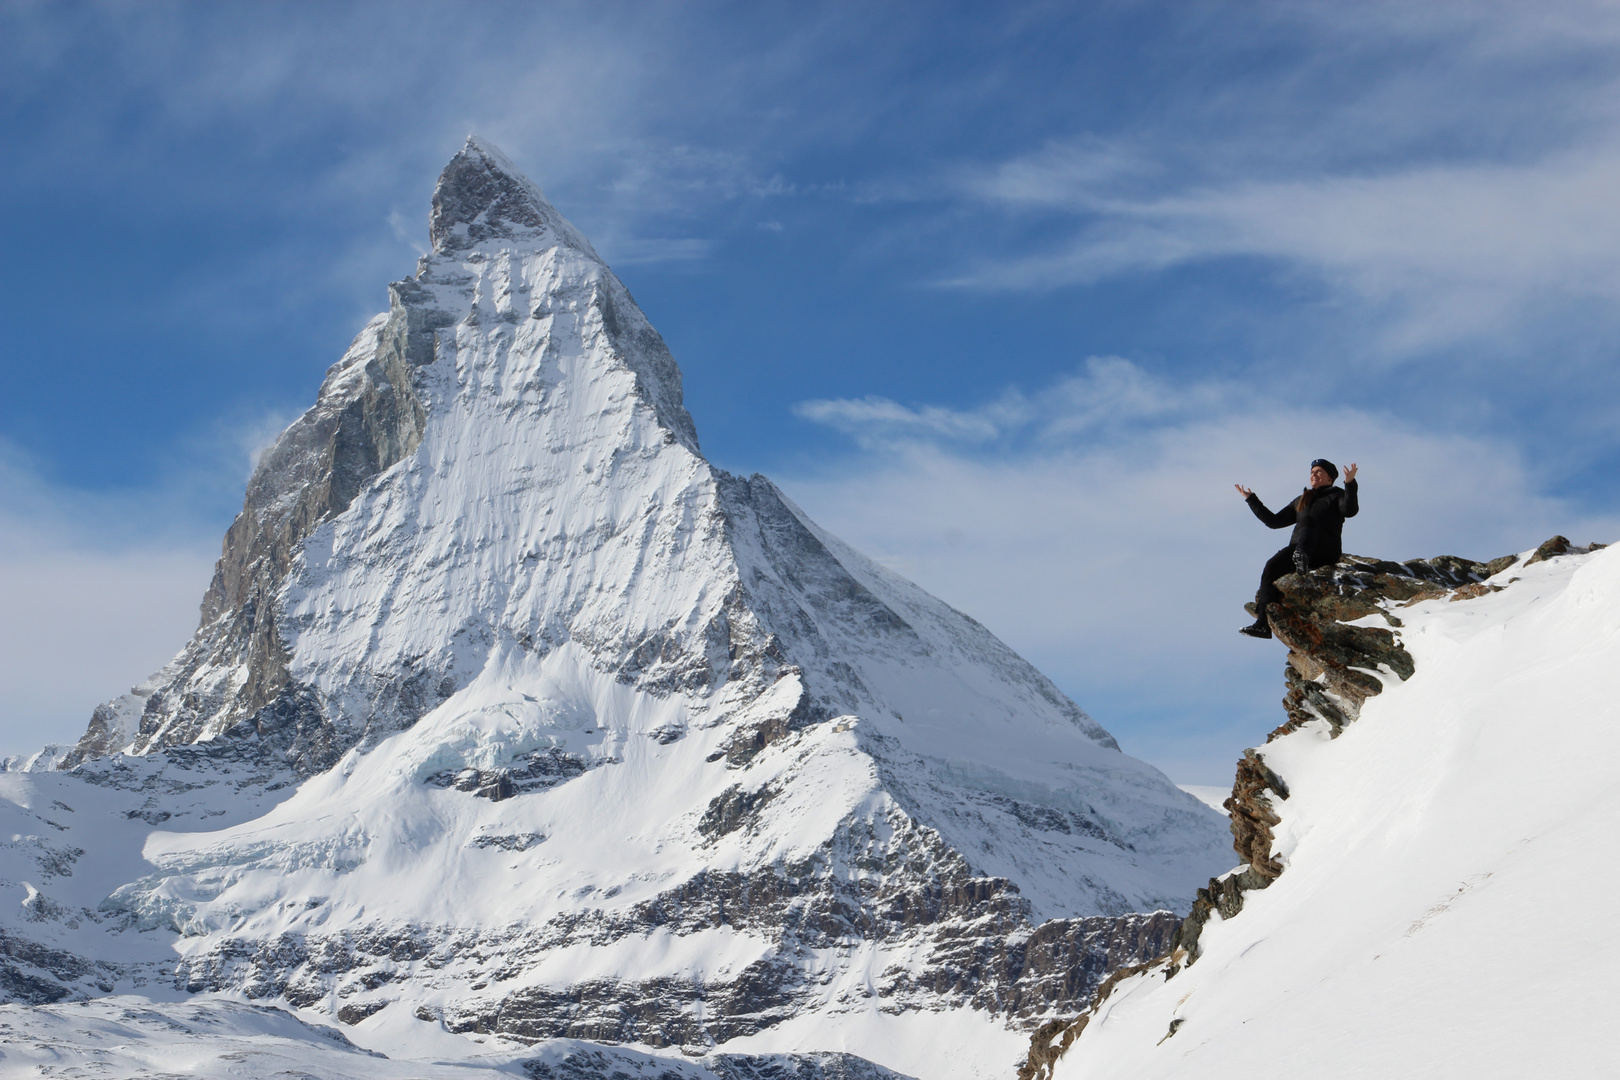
(209, 1038)
(1439, 862)
(511, 717)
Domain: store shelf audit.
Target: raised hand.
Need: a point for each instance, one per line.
(1349, 472)
(1246, 492)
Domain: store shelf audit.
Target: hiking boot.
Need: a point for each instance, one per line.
(1260, 628)
(1302, 565)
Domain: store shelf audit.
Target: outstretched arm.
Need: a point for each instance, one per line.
(1267, 518)
(1352, 502)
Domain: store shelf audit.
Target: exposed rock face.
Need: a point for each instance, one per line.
(1330, 660)
(1332, 668)
(953, 940)
(1329, 677)
(1052, 1039)
(34, 973)
(1253, 815)
(367, 418)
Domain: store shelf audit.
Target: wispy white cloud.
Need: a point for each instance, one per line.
(1443, 174)
(592, 105)
(1079, 174)
(1106, 393)
(1117, 556)
(102, 587)
(641, 250)
(100, 591)
(873, 421)
(1452, 252)
(253, 436)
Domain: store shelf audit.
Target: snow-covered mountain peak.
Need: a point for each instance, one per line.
(559, 691)
(481, 196)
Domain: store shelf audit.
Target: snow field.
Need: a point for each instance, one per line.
(1441, 857)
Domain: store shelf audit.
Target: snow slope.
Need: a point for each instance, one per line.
(67, 840)
(586, 737)
(1442, 860)
(215, 1039)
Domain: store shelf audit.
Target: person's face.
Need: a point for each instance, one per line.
(1320, 477)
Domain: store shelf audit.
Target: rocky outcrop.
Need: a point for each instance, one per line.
(1052, 1039)
(1335, 663)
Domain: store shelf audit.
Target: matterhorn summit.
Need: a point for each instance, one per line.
(510, 718)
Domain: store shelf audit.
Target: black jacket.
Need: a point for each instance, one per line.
(1320, 528)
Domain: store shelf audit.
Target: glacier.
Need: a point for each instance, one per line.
(510, 717)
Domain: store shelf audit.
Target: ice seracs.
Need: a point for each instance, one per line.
(600, 741)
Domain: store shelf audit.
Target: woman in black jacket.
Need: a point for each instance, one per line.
(1318, 520)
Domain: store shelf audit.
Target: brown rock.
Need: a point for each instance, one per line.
(1252, 815)
(1556, 545)
(1054, 1037)
(1496, 566)
(356, 1011)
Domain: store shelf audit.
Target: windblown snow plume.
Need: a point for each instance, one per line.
(510, 715)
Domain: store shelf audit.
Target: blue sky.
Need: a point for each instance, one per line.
(1007, 295)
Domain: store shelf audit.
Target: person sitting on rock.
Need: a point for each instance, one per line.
(1318, 520)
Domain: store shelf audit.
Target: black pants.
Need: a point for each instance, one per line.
(1280, 564)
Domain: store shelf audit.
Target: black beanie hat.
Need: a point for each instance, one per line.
(1327, 467)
